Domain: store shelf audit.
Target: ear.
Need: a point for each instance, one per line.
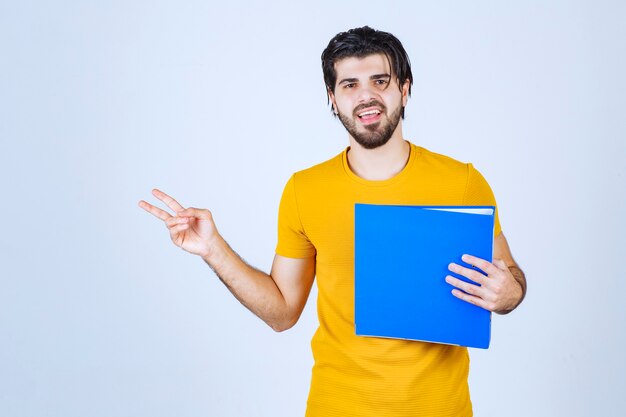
(405, 92)
(331, 97)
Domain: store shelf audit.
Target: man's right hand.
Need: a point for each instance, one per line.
(190, 228)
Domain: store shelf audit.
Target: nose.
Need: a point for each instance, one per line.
(366, 94)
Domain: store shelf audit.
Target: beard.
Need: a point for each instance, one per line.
(375, 134)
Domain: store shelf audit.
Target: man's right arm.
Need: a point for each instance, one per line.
(278, 298)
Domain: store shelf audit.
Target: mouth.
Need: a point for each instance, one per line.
(369, 115)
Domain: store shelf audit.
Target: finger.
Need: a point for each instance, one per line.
(169, 201)
(173, 221)
(195, 212)
(465, 286)
(155, 211)
(179, 228)
(480, 263)
(477, 301)
(467, 273)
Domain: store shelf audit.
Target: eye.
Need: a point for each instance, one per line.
(380, 81)
(349, 85)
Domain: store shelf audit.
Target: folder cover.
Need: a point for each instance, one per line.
(402, 255)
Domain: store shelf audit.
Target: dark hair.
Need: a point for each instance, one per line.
(361, 42)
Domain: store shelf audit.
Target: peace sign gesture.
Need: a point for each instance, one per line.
(190, 228)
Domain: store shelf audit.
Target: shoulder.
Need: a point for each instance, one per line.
(315, 180)
(441, 165)
(321, 173)
(432, 158)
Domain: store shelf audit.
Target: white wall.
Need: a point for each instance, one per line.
(217, 104)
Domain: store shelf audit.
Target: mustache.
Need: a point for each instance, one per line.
(373, 103)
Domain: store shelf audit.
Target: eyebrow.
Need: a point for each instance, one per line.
(372, 77)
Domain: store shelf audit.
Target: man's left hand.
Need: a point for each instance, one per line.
(498, 291)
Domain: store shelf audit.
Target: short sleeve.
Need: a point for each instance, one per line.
(478, 193)
(292, 239)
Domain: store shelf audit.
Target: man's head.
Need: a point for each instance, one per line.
(368, 76)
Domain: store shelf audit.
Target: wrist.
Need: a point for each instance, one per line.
(216, 252)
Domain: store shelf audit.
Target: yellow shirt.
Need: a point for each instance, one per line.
(367, 376)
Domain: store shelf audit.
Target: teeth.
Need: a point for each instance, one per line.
(367, 113)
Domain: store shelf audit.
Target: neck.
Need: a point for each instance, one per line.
(381, 163)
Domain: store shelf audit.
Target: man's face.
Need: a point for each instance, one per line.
(367, 99)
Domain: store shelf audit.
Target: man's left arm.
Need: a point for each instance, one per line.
(501, 290)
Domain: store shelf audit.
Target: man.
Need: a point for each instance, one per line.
(368, 80)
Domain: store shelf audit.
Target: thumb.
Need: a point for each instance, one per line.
(195, 212)
(500, 264)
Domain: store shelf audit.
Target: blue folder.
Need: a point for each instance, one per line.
(402, 255)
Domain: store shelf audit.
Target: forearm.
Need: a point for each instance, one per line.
(520, 280)
(256, 290)
(520, 277)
